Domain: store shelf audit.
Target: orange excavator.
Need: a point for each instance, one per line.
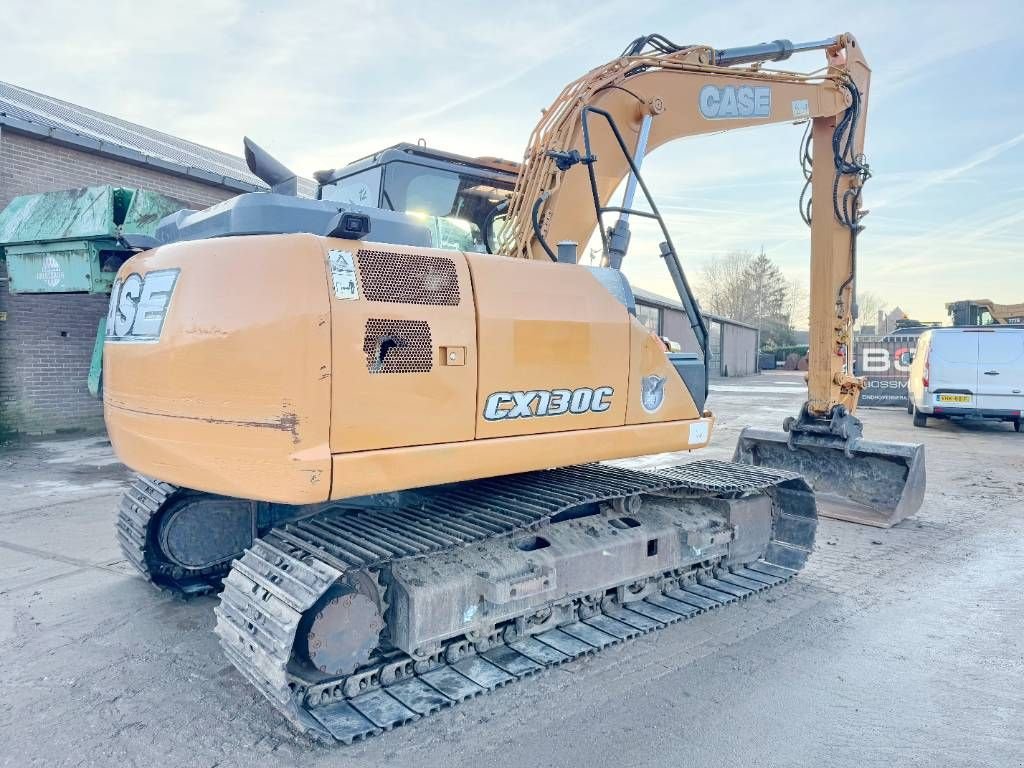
(373, 419)
(984, 312)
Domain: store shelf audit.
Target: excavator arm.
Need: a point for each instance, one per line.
(655, 98)
(598, 132)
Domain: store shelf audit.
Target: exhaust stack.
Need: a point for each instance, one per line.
(270, 169)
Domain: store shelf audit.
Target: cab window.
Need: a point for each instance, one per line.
(456, 207)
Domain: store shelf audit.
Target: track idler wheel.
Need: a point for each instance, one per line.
(182, 540)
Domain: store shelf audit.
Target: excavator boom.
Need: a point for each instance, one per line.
(599, 131)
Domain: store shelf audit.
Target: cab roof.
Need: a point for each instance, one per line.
(490, 167)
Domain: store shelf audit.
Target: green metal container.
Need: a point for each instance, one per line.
(71, 241)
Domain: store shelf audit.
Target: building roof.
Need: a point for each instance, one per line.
(52, 119)
(657, 300)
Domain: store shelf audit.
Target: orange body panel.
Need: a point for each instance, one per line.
(647, 354)
(383, 410)
(277, 377)
(235, 396)
(379, 471)
(545, 326)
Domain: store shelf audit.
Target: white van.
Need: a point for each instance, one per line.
(968, 373)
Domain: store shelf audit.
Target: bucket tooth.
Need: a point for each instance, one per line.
(861, 481)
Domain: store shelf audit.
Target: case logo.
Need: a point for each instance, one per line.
(652, 392)
(732, 101)
(138, 305)
(544, 402)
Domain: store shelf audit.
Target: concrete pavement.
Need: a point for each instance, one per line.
(894, 648)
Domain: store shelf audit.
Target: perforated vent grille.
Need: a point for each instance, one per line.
(408, 278)
(397, 346)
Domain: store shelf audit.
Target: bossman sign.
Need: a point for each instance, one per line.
(886, 366)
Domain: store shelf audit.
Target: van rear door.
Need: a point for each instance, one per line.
(953, 364)
(1000, 370)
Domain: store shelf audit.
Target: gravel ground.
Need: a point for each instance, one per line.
(898, 647)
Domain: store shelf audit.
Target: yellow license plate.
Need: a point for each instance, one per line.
(954, 398)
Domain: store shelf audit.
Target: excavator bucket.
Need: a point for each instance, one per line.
(863, 481)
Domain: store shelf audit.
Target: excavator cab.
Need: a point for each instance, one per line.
(459, 199)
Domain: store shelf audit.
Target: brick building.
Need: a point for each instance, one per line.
(46, 144)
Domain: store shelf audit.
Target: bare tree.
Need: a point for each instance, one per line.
(723, 285)
(798, 305)
(869, 305)
(751, 289)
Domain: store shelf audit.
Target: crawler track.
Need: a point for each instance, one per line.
(285, 572)
(138, 516)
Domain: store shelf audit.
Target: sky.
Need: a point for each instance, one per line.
(322, 83)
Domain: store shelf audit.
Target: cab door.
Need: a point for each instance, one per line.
(403, 340)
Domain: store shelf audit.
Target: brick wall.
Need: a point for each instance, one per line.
(46, 340)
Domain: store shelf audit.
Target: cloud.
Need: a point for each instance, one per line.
(321, 83)
(933, 178)
(547, 43)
